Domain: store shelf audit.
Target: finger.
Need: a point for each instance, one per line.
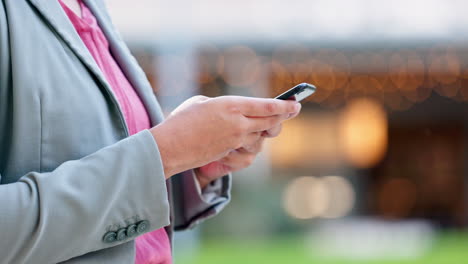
(272, 132)
(262, 107)
(238, 160)
(255, 148)
(259, 124)
(293, 115)
(197, 98)
(252, 138)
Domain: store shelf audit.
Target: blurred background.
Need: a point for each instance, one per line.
(374, 170)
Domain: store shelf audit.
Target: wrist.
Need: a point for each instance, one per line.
(167, 154)
(202, 180)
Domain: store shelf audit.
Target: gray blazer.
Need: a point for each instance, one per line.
(75, 187)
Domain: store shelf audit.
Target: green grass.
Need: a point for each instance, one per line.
(450, 248)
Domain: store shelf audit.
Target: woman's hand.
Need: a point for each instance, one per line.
(202, 130)
(237, 159)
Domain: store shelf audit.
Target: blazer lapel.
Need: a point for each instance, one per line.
(127, 63)
(52, 13)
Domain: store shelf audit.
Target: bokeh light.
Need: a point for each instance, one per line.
(280, 78)
(397, 70)
(323, 77)
(341, 197)
(311, 197)
(307, 141)
(449, 90)
(306, 198)
(444, 65)
(363, 132)
(364, 86)
(338, 62)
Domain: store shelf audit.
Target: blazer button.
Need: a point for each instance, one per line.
(121, 234)
(110, 237)
(131, 230)
(142, 226)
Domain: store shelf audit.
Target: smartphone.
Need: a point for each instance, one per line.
(298, 92)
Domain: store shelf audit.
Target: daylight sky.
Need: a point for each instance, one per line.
(272, 20)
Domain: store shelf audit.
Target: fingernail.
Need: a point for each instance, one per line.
(297, 107)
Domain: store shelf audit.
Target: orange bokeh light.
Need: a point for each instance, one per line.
(363, 132)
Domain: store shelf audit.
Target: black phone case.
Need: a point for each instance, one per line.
(289, 94)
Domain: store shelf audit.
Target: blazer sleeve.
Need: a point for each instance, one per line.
(193, 205)
(99, 201)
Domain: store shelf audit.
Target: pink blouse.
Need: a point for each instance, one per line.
(153, 247)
